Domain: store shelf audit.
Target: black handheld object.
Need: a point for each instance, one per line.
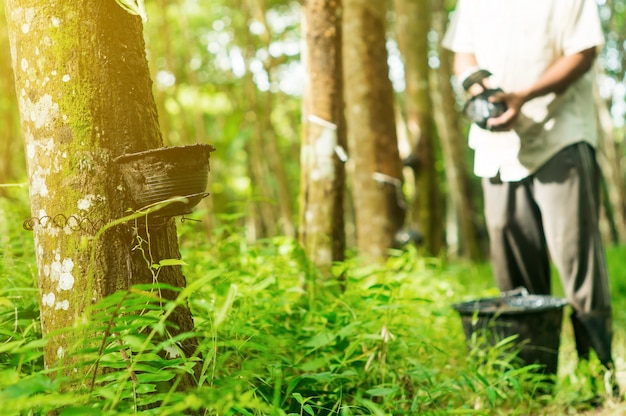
(478, 108)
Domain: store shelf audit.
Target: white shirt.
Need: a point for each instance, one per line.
(517, 40)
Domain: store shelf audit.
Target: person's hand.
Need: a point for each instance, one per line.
(514, 102)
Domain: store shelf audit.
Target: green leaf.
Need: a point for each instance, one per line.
(172, 262)
(133, 341)
(381, 391)
(482, 379)
(313, 365)
(307, 408)
(10, 346)
(491, 393)
(79, 411)
(156, 377)
(320, 340)
(134, 7)
(29, 386)
(221, 314)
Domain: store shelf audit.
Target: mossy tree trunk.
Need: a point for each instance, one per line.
(322, 232)
(376, 168)
(85, 97)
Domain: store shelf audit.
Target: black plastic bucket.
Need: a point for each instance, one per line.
(535, 319)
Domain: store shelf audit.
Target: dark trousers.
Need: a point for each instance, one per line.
(553, 215)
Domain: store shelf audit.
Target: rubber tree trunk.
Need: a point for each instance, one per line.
(322, 184)
(270, 211)
(281, 190)
(85, 97)
(454, 149)
(11, 155)
(614, 189)
(413, 22)
(376, 169)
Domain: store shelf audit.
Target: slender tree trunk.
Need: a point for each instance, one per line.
(85, 97)
(11, 155)
(372, 140)
(454, 147)
(263, 215)
(269, 180)
(280, 192)
(610, 162)
(197, 114)
(282, 189)
(413, 22)
(322, 172)
(162, 95)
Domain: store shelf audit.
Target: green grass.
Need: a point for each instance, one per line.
(390, 343)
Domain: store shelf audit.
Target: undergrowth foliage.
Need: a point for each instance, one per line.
(274, 338)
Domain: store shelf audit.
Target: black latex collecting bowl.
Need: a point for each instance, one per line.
(510, 305)
(157, 175)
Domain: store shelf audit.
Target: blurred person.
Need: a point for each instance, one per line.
(537, 161)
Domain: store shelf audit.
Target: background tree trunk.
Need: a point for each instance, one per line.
(322, 181)
(455, 150)
(376, 167)
(10, 146)
(610, 163)
(271, 206)
(85, 97)
(267, 138)
(413, 22)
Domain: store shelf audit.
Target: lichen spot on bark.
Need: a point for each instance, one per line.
(44, 111)
(85, 203)
(29, 15)
(38, 183)
(55, 268)
(48, 300)
(30, 150)
(66, 279)
(61, 272)
(64, 305)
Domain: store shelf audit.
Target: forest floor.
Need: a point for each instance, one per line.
(608, 408)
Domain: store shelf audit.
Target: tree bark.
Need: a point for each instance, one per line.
(372, 140)
(454, 149)
(322, 184)
(413, 22)
(85, 97)
(11, 154)
(265, 159)
(610, 162)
